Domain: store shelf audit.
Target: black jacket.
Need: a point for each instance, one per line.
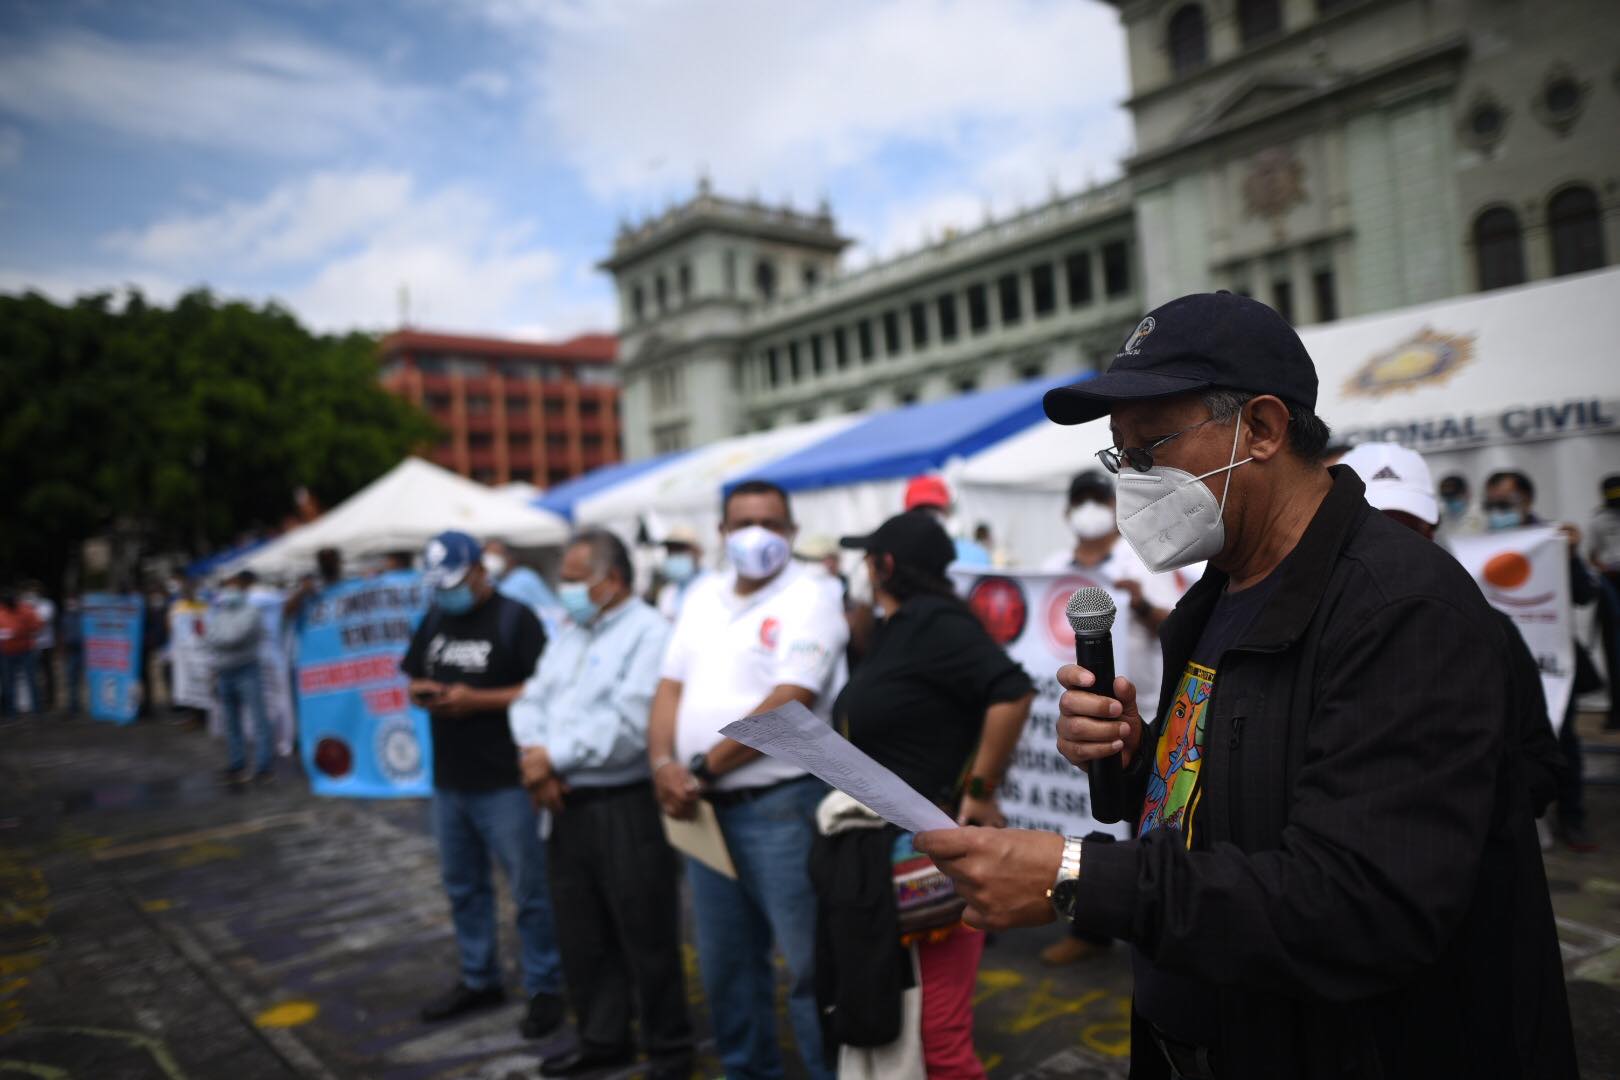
(1369, 899)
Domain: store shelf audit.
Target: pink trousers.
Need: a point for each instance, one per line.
(950, 971)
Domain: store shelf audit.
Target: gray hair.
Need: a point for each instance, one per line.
(1308, 434)
(607, 553)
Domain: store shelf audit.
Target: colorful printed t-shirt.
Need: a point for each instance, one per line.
(1178, 1005)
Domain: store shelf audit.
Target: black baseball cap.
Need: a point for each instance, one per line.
(1194, 343)
(914, 538)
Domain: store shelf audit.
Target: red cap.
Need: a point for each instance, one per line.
(927, 491)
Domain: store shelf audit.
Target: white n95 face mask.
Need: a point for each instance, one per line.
(1091, 521)
(756, 552)
(1170, 517)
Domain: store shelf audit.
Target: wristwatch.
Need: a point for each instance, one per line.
(699, 768)
(1065, 891)
(980, 788)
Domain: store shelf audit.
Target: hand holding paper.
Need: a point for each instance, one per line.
(794, 734)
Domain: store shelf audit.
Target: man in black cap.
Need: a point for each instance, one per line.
(1331, 824)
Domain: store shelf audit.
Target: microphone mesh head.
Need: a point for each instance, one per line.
(1091, 612)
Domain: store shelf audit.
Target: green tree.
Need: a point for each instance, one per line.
(184, 427)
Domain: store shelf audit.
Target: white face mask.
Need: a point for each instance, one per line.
(1092, 520)
(1170, 517)
(495, 565)
(756, 552)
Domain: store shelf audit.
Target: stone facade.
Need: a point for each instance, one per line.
(1329, 157)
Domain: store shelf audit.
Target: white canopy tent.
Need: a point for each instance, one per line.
(401, 511)
(1525, 378)
(686, 491)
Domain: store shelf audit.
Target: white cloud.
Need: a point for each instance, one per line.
(639, 95)
(294, 223)
(338, 248)
(264, 94)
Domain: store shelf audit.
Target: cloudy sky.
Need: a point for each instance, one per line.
(481, 152)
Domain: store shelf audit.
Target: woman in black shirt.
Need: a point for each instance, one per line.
(942, 705)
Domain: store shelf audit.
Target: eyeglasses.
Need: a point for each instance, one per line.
(1140, 458)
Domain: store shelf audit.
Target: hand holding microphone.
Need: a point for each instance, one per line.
(1098, 723)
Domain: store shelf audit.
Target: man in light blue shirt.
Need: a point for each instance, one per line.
(513, 579)
(581, 728)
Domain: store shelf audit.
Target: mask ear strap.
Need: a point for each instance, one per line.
(1231, 462)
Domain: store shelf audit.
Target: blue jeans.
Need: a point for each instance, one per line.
(240, 688)
(14, 667)
(769, 841)
(471, 826)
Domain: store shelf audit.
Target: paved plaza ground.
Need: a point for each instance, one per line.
(155, 924)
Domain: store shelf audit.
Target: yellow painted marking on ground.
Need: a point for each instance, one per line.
(157, 905)
(989, 1064)
(11, 1016)
(1602, 968)
(196, 836)
(34, 1068)
(159, 1051)
(1044, 1006)
(206, 852)
(20, 963)
(1111, 1038)
(1602, 886)
(288, 1014)
(993, 981)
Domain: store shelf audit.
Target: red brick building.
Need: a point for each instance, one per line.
(511, 410)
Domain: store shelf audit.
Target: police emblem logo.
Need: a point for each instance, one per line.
(1425, 359)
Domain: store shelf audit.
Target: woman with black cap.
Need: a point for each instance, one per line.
(941, 705)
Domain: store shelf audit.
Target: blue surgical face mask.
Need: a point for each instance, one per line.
(231, 596)
(1496, 520)
(680, 568)
(575, 597)
(455, 601)
(1456, 507)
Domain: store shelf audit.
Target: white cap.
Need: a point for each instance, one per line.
(1396, 479)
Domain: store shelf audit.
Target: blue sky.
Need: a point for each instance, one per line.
(480, 153)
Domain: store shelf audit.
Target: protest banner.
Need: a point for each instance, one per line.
(192, 678)
(1026, 614)
(359, 736)
(1525, 572)
(112, 655)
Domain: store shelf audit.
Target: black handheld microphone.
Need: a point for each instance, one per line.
(1091, 614)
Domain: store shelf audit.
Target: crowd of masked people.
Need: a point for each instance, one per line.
(1331, 748)
(561, 750)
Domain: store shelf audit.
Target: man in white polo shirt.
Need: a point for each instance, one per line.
(762, 634)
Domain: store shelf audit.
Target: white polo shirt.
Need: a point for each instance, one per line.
(729, 652)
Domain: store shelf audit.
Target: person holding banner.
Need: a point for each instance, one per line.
(467, 662)
(1509, 504)
(1325, 803)
(941, 705)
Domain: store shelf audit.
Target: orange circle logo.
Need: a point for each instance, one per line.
(1509, 570)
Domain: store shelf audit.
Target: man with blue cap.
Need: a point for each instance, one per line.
(467, 662)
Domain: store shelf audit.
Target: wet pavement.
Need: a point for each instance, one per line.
(154, 923)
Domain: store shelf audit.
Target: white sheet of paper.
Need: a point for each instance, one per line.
(796, 735)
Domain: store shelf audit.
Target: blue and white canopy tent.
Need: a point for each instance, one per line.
(854, 480)
(562, 499)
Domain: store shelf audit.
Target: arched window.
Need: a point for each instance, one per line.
(1258, 19)
(1188, 39)
(1576, 229)
(1498, 249)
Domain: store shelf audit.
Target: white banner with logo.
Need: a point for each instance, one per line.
(193, 675)
(1525, 572)
(1026, 615)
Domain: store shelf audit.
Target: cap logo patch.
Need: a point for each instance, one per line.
(436, 553)
(1386, 473)
(1425, 359)
(1133, 344)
